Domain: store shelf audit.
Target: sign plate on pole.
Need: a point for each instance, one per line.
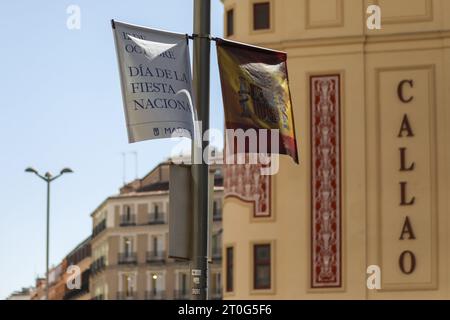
(180, 212)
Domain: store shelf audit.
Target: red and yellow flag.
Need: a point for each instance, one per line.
(255, 92)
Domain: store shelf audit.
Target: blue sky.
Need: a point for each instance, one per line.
(60, 105)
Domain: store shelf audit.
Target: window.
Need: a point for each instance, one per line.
(229, 269)
(156, 212)
(128, 285)
(215, 286)
(157, 215)
(183, 283)
(128, 246)
(215, 281)
(216, 245)
(154, 284)
(157, 283)
(99, 294)
(230, 22)
(215, 242)
(261, 266)
(261, 16)
(217, 210)
(127, 218)
(155, 245)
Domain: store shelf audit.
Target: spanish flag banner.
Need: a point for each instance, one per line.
(255, 92)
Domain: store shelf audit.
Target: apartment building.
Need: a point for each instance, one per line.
(59, 276)
(57, 285)
(130, 243)
(370, 195)
(81, 258)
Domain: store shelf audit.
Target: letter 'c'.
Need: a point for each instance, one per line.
(401, 94)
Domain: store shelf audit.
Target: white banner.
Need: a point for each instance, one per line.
(156, 81)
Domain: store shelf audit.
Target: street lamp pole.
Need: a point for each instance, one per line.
(48, 178)
(200, 172)
(47, 250)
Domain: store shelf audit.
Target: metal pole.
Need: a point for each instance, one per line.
(48, 239)
(202, 28)
(48, 179)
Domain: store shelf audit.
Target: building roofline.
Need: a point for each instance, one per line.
(129, 195)
(99, 206)
(139, 195)
(163, 163)
(168, 161)
(82, 243)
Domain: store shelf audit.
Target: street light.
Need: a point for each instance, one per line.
(47, 177)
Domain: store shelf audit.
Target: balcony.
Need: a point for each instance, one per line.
(155, 295)
(126, 295)
(156, 256)
(127, 258)
(99, 228)
(156, 218)
(181, 295)
(128, 220)
(98, 265)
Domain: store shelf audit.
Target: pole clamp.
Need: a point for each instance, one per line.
(202, 36)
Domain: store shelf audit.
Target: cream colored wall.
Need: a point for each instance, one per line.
(415, 40)
(446, 193)
(309, 19)
(428, 182)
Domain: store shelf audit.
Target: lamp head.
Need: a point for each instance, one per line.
(31, 170)
(66, 170)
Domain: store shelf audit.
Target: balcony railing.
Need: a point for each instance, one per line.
(181, 294)
(157, 218)
(156, 256)
(98, 265)
(155, 295)
(126, 295)
(99, 228)
(128, 220)
(127, 258)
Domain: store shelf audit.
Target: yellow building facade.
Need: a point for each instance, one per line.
(370, 198)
